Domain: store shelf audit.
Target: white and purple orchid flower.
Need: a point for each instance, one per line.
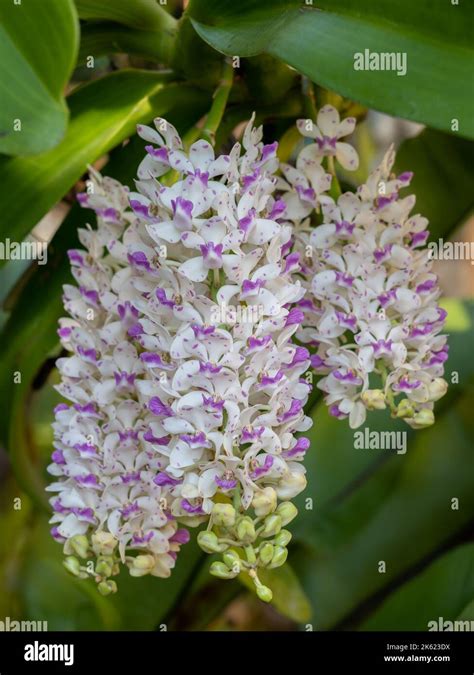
(170, 410)
(371, 311)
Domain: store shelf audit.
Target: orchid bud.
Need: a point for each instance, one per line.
(209, 542)
(423, 418)
(245, 530)
(271, 525)
(104, 567)
(264, 593)
(264, 501)
(283, 538)
(287, 512)
(72, 565)
(79, 545)
(220, 569)
(142, 565)
(279, 557)
(223, 515)
(266, 553)
(373, 399)
(107, 587)
(405, 409)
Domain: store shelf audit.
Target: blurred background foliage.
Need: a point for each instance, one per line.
(79, 75)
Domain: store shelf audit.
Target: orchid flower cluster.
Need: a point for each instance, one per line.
(371, 311)
(185, 385)
(202, 301)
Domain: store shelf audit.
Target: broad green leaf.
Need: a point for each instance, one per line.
(38, 48)
(441, 592)
(141, 14)
(443, 177)
(399, 514)
(288, 595)
(103, 113)
(321, 42)
(193, 59)
(108, 38)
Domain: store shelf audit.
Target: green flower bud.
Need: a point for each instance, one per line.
(373, 399)
(279, 557)
(271, 525)
(264, 593)
(437, 389)
(72, 565)
(103, 543)
(264, 501)
(405, 409)
(245, 530)
(142, 565)
(287, 512)
(233, 560)
(220, 569)
(230, 557)
(107, 587)
(423, 418)
(266, 553)
(80, 545)
(209, 542)
(223, 515)
(283, 538)
(104, 567)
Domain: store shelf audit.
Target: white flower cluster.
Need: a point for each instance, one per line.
(371, 311)
(185, 387)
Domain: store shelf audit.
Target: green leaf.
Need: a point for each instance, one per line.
(289, 597)
(443, 177)
(108, 38)
(141, 14)
(34, 69)
(103, 113)
(321, 42)
(442, 590)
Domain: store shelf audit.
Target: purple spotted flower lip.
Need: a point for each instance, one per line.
(373, 310)
(171, 408)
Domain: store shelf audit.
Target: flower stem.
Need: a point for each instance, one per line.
(335, 190)
(388, 394)
(309, 99)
